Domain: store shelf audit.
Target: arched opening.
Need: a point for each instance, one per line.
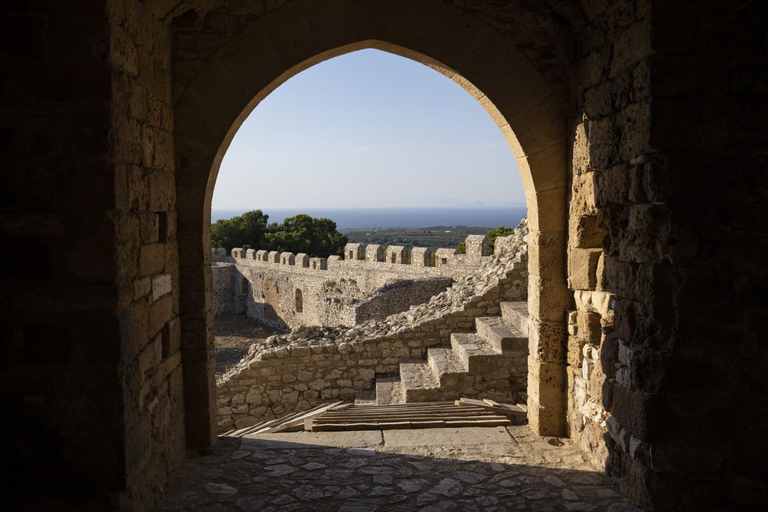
(299, 301)
(211, 107)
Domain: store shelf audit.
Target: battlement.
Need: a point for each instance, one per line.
(357, 254)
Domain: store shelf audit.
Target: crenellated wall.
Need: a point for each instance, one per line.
(286, 290)
(323, 364)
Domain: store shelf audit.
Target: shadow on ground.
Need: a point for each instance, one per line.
(475, 469)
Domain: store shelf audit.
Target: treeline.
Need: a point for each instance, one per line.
(302, 233)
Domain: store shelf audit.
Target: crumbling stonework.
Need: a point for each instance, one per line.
(290, 291)
(639, 133)
(298, 370)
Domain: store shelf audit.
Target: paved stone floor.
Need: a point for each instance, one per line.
(467, 469)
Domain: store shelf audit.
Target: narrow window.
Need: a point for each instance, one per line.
(299, 301)
(244, 286)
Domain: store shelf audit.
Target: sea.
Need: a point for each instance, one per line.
(363, 218)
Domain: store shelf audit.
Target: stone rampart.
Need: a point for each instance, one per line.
(312, 365)
(286, 290)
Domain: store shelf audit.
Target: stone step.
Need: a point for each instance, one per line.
(419, 382)
(473, 351)
(503, 337)
(446, 365)
(516, 315)
(389, 391)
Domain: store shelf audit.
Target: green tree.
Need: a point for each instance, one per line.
(303, 233)
(461, 248)
(245, 231)
(495, 233)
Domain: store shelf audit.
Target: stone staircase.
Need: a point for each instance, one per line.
(489, 363)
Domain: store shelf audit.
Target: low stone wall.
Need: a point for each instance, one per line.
(299, 370)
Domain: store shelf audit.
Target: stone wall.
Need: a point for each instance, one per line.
(271, 287)
(399, 296)
(665, 132)
(297, 371)
(224, 292)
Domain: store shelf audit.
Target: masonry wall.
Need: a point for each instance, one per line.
(666, 103)
(334, 292)
(662, 236)
(339, 364)
(147, 257)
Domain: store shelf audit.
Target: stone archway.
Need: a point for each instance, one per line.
(210, 107)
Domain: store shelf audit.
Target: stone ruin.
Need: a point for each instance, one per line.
(371, 282)
(638, 128)
(296, 371)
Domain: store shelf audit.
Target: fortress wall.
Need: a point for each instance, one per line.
(399, 296)
(337, 366)
(334, 291)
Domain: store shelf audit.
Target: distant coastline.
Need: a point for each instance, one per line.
(362, 218)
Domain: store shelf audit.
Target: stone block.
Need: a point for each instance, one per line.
(287, 258)
(421, 257)
(589, 327)
(585, 232)
(160, 312)
(396, 254)
(477, 245)
(151, 260)
(632, 46)
(161, 285)
(546, 421)
(546, 382)
(582, 268)
(547, 341)
(374, 252)
(354, 252)
(548, 299)
(302, 260)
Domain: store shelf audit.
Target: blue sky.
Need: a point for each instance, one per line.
(368, 129)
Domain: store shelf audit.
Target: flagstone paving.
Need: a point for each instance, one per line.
(466, 469)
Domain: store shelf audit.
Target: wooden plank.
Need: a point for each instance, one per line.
(491, 402)
(479, 423)
(403, 414)
(273, 423)
(501, 409)
(299, 419)
(406, 415)
(428, 424)
(342, 406)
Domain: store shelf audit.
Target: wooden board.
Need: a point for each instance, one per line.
(343, 416)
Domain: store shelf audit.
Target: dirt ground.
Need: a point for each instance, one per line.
(234, 335)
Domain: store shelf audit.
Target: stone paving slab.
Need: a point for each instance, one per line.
(497, 470)
(466, 436)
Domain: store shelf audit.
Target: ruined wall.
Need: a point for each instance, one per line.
(334, 292)
(399, 296)
(325, 364)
